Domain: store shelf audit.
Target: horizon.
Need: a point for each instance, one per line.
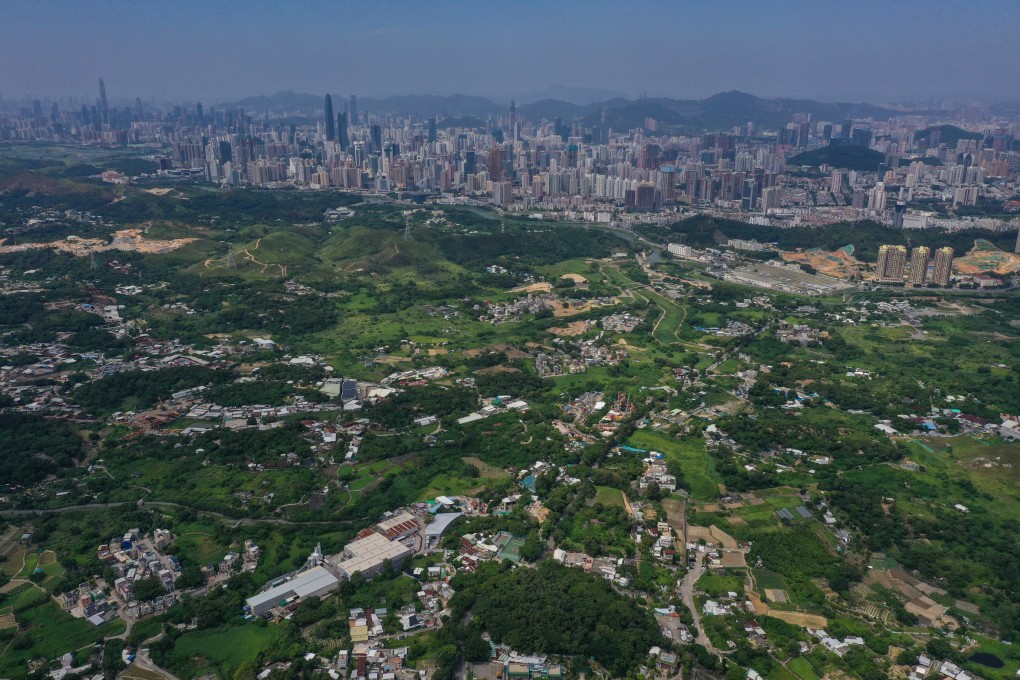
(795, 50)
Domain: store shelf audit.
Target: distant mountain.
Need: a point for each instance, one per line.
(718, 112)
(844, 156)
(433, 105)
(570, 95)
(284, 101)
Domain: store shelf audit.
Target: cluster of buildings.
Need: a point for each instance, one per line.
(893, 266)
(518, 162)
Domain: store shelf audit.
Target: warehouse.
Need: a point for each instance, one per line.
(434, 532)
(368, 555)
(315, 582)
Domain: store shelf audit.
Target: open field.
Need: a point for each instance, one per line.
(697, 465)
(608, 496)
(487, 471)
(802, 667)
(225, 648)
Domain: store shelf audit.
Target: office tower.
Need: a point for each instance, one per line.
(470, 163)
(844, 130)
(827, 132)
(496, 163)
(341, 131)
(432, 129)
(770, 198)
(802, 134)
(749, 196)
(861, 137)
(899, 212)
(891, 260)
(353, 104)
(138, 108)
(667, 183)
(919, 265)
(330, 121)
(103, 107)
(376, 135)
(513, 121)
(37, 108)
(943, 267)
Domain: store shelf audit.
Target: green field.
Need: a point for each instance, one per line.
(802, 668)
(697, 465)
(608, 496)
(717, 586)
(224, 649)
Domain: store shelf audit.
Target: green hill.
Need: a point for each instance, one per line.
(840, 156)
(947, 134)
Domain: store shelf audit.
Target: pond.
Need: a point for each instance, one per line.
(986, 659)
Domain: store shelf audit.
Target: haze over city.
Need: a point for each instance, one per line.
(510, 341)
(216, 52)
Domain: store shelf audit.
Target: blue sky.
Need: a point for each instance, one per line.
(221, 50)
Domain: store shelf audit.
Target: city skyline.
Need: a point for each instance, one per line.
(874, 53)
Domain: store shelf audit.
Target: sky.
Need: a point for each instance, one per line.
(850, 50)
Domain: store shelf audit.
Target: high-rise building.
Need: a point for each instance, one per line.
(376, 134)
(341, 131)
(943, 271)
(876, 198)
(838, 178)
(432, 129)
(770, 199)
(891, 261)
(330, 121)
(104, 108)
(496, 163)
(513, 122)
(919, 265)
(353, 109)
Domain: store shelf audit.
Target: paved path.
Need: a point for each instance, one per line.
(687, 595)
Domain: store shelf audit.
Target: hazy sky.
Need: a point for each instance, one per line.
(221, 50)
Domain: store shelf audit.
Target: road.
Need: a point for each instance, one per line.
(143, 661)
(687, 595)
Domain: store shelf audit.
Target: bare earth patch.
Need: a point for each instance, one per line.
(572, 328)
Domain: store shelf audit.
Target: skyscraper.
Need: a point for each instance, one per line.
(919, 265)
(496, 163)
(432, 129)
(330, 121)
(891, 260)
(341, 131)
(943, 267)
(353, 110)
(104, 109)
(376, 133)
(513, 122)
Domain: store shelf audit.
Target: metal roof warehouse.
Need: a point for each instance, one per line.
(312, 583)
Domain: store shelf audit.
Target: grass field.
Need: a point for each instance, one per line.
(803, 669)
(47, 562)
(697, 465)
(608, 496)
(224, 649)
(764, 578)
(718, 586)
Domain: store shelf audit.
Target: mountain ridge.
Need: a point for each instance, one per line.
(720, 111)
